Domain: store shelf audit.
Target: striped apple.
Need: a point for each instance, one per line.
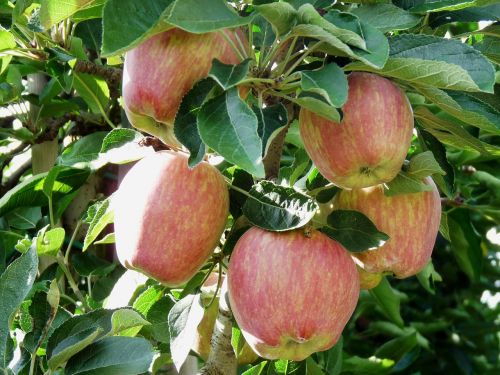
(168, 217)
(291, 293)
(369, 145)
(410, 220)
(160, 71)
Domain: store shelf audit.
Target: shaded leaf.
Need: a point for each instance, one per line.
(354, 231)
(278, 208)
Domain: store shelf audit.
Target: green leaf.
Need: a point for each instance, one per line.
(113, 355)
(125, 319)
(183, 320)
(441, 5)
(446, 183)
(354, 231)
(330, 82)
(121, 146)
(76, 334)
(53, 12)
(317, 104)
(312, 368)
(301, 164)
(465, 243)
(278, 208)
(449, 133)
(143, 19)
(386, 17)
(427, 72)
(83, 153)
(431, 48)
(29, 193)
(90, 12)
(228, 75)
(229, 126)
(367, 366)
(88, 264)
(98, 216)
(398, 347)
(388, 300)
(7, 40)
(423, 165)
(280, 14)
(405, 183)
(465, 107)
(40, 311)
(93, 90)
(15, 283)
(185, 124)
(349, 29)
(107, 239)
(257, 369)
(333, 360)
(271, 120)
(263, 33)
(24, 217)
(49, 242)
(211, 15)
(377, 46)
(428, 276)
(489, 47)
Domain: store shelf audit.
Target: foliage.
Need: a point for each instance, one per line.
(64, 141)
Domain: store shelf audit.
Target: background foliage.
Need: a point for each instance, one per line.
(64, 141)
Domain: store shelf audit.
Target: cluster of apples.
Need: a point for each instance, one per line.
(293, 292)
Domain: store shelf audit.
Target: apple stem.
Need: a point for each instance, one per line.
(222, 359)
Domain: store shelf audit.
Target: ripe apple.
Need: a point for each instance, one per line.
(370, 144)
(206, 327)
(292, 292)
(161, 70)
(410, 220)
(168, 217)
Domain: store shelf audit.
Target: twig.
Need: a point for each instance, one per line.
(106, 72)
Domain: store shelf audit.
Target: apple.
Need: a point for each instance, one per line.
(206, 327)
(161, 70)
(291, 293)
(369, 145)
(168, 217)
(410, 220)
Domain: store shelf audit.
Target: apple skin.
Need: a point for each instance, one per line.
(168, 217)
(369, 145)
(410, 220)
(159, 72)
(291, 293)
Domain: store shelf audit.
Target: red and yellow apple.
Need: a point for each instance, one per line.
(369, 145)
(168, 217)
(410, 220)
(206, 327)
(161, 70)
(291, 293)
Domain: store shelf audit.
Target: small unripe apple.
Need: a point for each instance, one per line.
(168, 217)
(291, 293)
(369, 145)
(410, 220)
(159, 72)
(206, 327)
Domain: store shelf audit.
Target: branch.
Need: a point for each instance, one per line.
(221, 360)
(272, 159)
(108, 73)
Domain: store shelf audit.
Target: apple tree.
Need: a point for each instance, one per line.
(249, 187)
